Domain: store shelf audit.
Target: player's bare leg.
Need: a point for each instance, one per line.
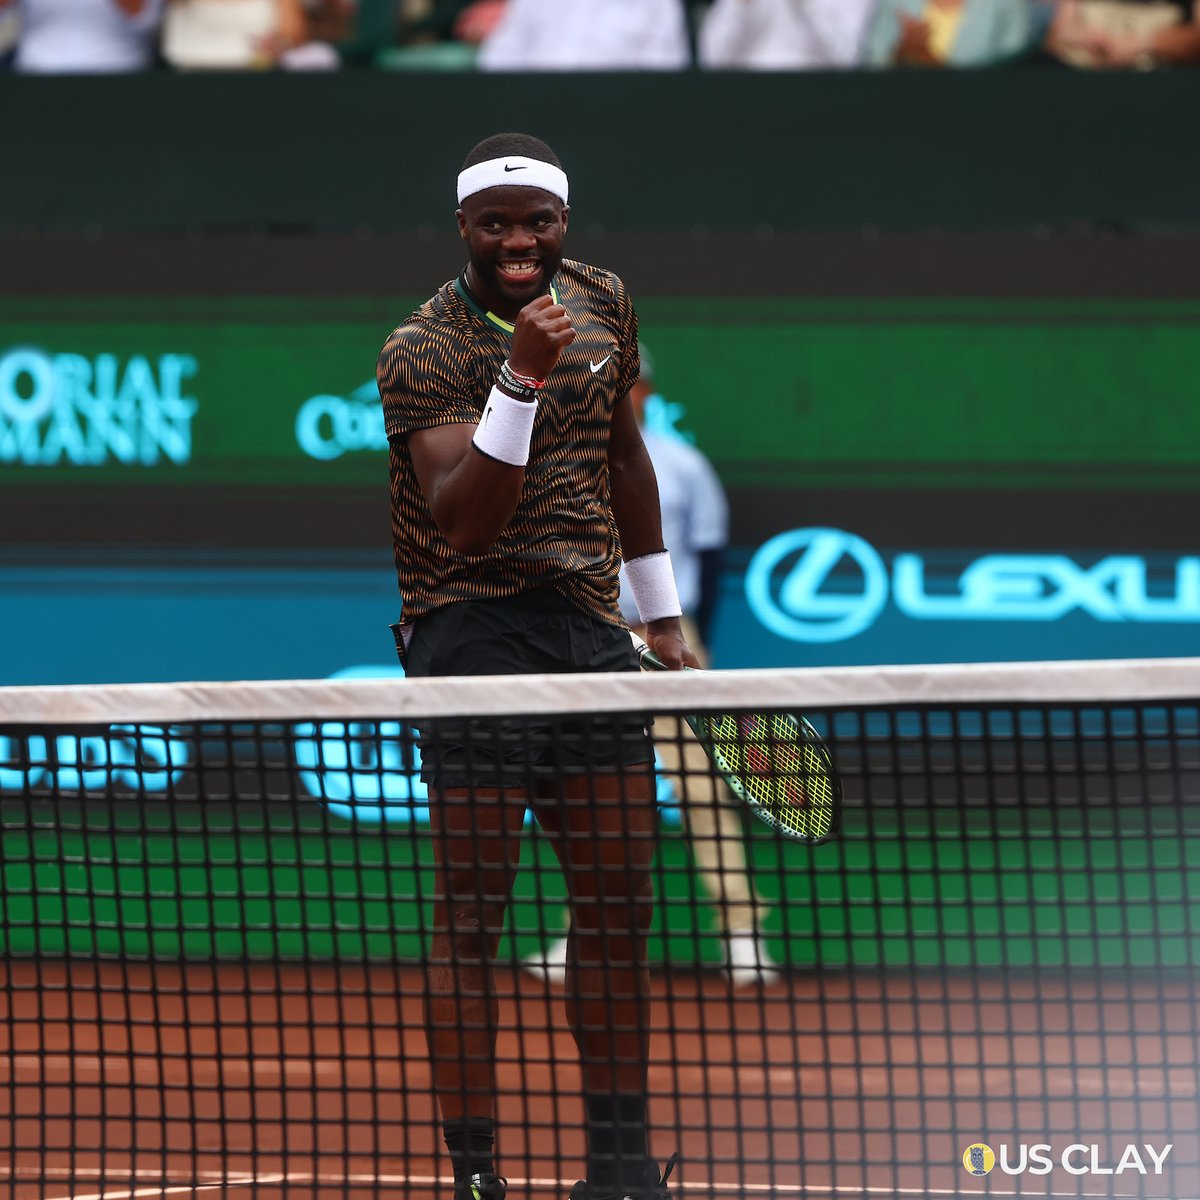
(477, 840)
(604, 830)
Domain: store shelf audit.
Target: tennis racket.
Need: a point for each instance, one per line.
(774, 761)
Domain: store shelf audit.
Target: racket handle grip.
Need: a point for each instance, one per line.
(647, 659)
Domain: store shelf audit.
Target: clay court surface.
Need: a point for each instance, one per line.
(270, 1082)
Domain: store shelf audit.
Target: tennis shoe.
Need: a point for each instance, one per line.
(549, 964)
(748, 963)
(482, 1187)
(650, 1186)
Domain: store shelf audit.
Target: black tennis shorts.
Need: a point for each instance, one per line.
(537, 632)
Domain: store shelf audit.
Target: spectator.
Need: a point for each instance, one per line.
(86, 37)
(10, 25)
(447, 20)
(332, 21)
(589, 35)
(233, 35)
(1107, 34)
(950, 33)
(782, 35)
(430, 34)
(367, 28)
(695, 526)
(478, 20)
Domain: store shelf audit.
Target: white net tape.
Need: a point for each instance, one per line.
(1107, 681)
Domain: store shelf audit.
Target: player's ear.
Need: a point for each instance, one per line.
(462, 224)
(566, 212)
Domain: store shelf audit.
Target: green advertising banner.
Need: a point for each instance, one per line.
(920, 393)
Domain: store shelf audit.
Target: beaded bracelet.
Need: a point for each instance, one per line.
(523, 385)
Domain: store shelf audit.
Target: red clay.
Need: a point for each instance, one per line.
(307, 1082)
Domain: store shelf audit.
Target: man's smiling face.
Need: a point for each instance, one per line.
(514, 236)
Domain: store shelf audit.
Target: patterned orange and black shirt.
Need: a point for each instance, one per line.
(437, 369)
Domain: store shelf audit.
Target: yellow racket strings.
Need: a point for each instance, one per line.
(778, 769)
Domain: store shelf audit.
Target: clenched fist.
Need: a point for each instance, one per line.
(543, 331)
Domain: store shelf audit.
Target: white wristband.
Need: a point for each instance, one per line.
(506, 427)
(652, 582)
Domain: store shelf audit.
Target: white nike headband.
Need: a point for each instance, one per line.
(513, 171)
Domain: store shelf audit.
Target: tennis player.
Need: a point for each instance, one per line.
(518, 481)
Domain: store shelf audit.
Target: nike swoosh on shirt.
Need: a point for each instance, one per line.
(596, 366)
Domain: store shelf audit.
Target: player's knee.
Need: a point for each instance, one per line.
(473, 920)
(630, 911)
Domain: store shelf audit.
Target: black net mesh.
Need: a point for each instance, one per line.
(232, 962)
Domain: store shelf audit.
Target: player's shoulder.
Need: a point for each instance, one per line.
(595, 283)
(435, 341)
(438, 328)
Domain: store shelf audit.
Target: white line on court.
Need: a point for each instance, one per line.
(214, 1180)
(173, 1190)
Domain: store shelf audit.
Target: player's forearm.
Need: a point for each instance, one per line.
(633, 487)
(475, 501)
(635, 504)
(483, 487)
(473, 475)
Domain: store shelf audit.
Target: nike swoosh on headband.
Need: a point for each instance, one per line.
(507, 168)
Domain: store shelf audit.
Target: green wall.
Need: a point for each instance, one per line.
(965, 150)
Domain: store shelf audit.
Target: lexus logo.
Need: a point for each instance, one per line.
(788, 585)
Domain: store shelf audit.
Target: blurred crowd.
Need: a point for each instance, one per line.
(96, 36)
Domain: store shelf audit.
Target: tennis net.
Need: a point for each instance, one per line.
(217, 899)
